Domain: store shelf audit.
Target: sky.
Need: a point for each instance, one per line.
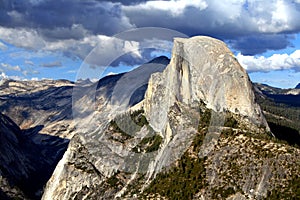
(55, 39)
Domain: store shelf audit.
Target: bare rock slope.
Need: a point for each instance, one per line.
(196, 122)
(202, 69)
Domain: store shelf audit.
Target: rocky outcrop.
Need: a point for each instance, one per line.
(126, 143)
(202, 69)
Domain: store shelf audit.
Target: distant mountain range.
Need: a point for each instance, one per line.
(286, 96)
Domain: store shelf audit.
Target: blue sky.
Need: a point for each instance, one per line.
(288, 78)
(52, 39)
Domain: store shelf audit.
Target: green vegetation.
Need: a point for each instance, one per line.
(187, 177)
(149, 144)
(222, 192)
(139, 118)
(182, 181)
(135, 186)
(227, 132)
(230, 121)
(113, 181)
(116, 128)
(292, 191)
(127, 125)
(205, 117)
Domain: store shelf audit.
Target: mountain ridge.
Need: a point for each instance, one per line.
(173, 112)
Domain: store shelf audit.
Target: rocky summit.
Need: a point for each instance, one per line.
(184, 128)
(197, 133)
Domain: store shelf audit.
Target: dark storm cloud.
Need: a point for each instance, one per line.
(252, 27)
(73, 27)
(256, 44)
(128, 2)
(55, 19)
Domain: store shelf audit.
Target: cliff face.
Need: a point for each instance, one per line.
(176, 135)
(202, 69)
(11, 154)
(25, 166)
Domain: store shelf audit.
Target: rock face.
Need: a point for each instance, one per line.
(43, 110)
(104, 154)
(124, 146)
(297, 86)
(25, 164)
(202, 69)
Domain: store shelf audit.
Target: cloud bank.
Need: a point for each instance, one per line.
(75, 27)
(274, 62)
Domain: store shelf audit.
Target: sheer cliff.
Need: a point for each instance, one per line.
(197, 133)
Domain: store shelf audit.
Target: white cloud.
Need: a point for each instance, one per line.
(30, 39)
(3, 47)
(5, 67)
(106, 47)
(52, 64)
(29, 62)
(175, 7)
(3, 76)
(8, 67)
(34, 78)
(111, 73)
(26, 38)
(109, 49)
(71, 71)
(226, 9)
(274, 16)
(274, 62)
(29, 72)
(228, 19)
